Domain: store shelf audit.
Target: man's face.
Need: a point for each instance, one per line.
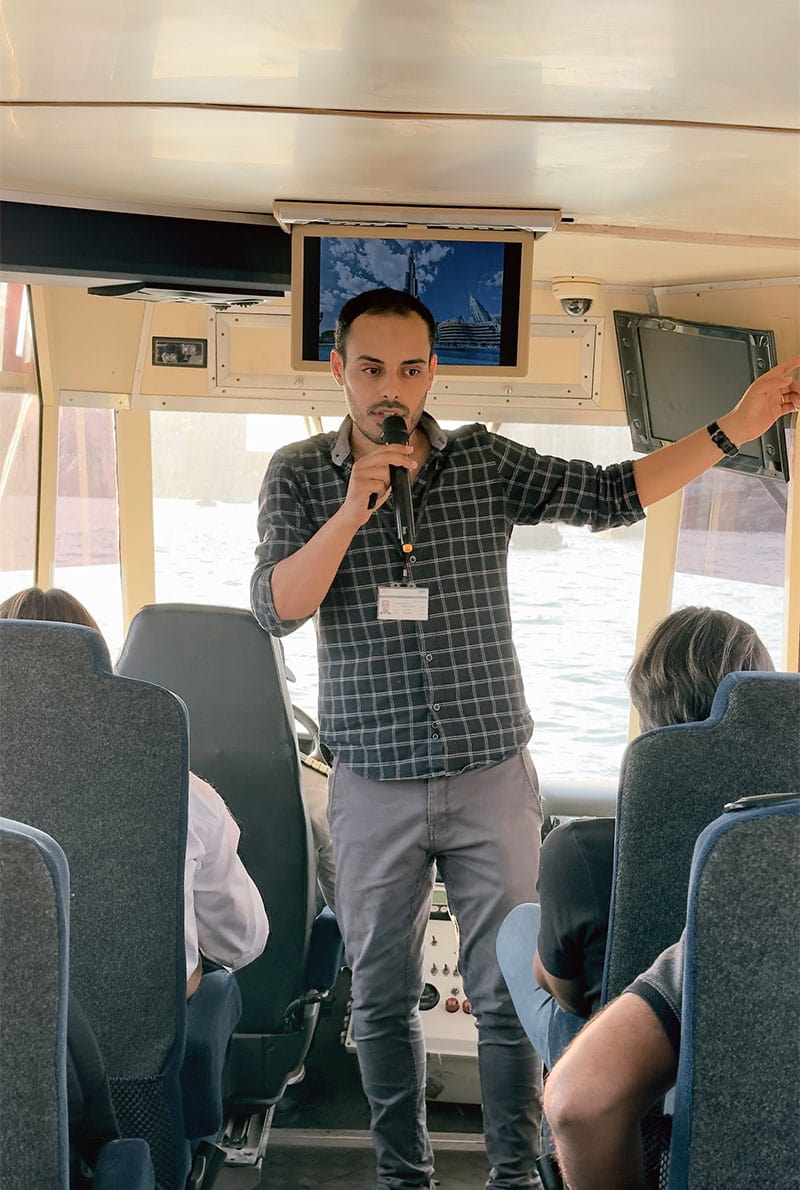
(388, 370)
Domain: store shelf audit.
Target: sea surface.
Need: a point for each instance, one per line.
(574, 603)
(574, 599)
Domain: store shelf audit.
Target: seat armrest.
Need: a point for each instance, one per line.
(211, 1016)
(325, 952)
(124, 1163)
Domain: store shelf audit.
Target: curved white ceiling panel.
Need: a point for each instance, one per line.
(701, 180)
(677, 60)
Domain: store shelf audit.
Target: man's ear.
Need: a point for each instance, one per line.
(432, 362)
(337, 367)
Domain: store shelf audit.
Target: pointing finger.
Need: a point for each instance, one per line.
(785, 367)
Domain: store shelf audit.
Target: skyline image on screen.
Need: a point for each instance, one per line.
(460, 281)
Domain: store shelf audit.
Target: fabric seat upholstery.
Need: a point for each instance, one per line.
(674, 781)
(737, 1106)
(230, 674)
(100, 763)
(34, 941)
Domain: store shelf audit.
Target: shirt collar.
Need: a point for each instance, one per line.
(340, 450)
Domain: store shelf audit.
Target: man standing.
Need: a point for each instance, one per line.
(422, 704)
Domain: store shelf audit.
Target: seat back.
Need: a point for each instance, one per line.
(34, 895)
(101, 764)
(230, 674)
(737, 1106)
(674, 781)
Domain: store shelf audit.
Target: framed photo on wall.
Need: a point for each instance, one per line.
(180, 353)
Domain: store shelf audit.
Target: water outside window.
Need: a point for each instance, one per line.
(87, 560)
(574, 598)
(19, 443)
(731, 550)
(207, 471)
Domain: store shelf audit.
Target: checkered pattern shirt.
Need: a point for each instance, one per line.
(415, 699)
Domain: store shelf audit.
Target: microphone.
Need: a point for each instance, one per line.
(394, 431)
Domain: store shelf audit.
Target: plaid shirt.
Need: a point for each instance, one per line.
(415, 699)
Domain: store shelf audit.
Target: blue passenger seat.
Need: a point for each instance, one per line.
(100, 762)
(737, 1098)
(34, 936)
(674, 781)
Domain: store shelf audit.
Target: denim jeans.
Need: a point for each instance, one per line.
(482, 828)
(549, 1028)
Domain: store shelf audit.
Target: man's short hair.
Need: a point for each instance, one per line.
(678, 669)
(381, 301)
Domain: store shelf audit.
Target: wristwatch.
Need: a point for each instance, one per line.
(721, 439)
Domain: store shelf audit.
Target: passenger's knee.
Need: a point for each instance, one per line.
(564, 1102)
(572, 1106)
(521, 921)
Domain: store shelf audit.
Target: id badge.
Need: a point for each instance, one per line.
(398, 602)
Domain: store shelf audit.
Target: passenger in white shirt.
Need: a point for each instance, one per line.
(224, 917)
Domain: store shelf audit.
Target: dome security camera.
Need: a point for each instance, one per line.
(575, 294)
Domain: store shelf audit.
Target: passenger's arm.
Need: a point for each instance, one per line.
(596, 1094)
(667, 470)
(569, 994)
(301, 581)
(193, 982)
(231, 921)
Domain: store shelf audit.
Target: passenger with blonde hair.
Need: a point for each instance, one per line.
(552, 954)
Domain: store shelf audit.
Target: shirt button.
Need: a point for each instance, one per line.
(413, 558)
(429, 656)
(435, 735)
(436, 706)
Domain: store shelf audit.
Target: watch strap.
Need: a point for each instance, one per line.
(721, 439)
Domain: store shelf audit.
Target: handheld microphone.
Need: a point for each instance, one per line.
(394, 431)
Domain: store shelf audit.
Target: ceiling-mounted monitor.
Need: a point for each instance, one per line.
(476, 283)
(680, 375)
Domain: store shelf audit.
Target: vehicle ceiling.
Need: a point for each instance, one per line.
(668, 132)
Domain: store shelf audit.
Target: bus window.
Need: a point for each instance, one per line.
(207, 471)
(574, 594)
(731, 548)
(574, 599)
(87, 562)
(19, 443)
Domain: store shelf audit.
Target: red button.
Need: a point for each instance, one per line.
(466, 1006)
(451, 1004)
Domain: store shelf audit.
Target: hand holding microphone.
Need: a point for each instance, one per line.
(395, 432)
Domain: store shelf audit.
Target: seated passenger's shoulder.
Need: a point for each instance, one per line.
(205, 801)
(580, 833)
(212, 832)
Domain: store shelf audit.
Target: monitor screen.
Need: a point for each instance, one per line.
(477, 284)
(679, 375)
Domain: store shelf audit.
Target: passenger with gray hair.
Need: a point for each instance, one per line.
(676, 674)
(552, 954)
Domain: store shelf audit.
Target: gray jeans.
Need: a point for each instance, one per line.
(483, 830)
